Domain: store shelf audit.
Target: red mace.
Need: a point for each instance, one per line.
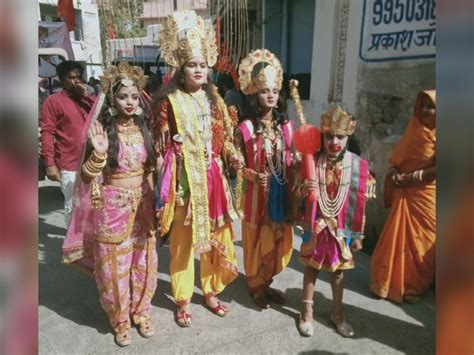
(307, 138)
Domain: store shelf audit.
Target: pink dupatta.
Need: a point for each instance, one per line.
(77, 247)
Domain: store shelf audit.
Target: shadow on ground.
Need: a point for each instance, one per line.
(63, 289)
(403, 336)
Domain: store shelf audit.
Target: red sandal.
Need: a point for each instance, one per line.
(220, 310)
(183, 318)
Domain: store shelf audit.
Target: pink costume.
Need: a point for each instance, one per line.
(327, 239)
(112, 235)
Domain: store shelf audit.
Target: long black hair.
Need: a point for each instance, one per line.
(109, 124)
(177, 83)
(254, 112)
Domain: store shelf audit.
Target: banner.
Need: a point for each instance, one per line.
(398, 30)
(52, 35)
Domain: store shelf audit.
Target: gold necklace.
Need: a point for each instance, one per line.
(128, 122)
(200, 98)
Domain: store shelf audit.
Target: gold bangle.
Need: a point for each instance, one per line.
(100, 163)
(93, 166)
(89, 173)
(418, 175)
(99, 158)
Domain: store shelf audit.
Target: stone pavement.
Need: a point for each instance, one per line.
(71, 320)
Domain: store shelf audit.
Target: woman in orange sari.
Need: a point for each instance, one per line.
(403, 263)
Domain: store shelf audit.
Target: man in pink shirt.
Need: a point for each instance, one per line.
(63, 116)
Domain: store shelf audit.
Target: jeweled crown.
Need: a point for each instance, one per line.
(336, 120)
(185, 35)
(125, 73)
(271, 75)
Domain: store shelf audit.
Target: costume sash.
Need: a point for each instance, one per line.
(288, 131)
(80, 236)
(251, 189)
(351, 218)
(166, 191)
(196, 167)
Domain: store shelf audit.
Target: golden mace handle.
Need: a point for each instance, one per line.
(295, 95)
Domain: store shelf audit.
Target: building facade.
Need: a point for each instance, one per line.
(85, 39)
(370, 58)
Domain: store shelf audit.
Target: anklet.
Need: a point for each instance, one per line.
(308, 302)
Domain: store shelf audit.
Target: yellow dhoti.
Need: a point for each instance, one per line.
(266, 255)
(218, 267)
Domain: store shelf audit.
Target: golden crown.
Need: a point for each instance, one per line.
(125, 73)
(336, 120)
(271, 75)
(185, 35)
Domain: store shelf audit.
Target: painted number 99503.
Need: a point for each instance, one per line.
(396, 11)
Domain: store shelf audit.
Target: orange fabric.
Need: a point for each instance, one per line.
(455, 281)
(403, 262)
(266, 255)
(65, 9)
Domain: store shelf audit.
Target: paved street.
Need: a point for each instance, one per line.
(72, 322)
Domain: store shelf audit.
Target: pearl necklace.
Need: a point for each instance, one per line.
(332, 207)
(278, 168)
(202, 106)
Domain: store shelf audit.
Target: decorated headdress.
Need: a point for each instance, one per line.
(124, 73)
(269, 74)
(336, 120)
(185, 35)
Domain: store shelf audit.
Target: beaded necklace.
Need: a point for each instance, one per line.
(332, 207)
(274, 144)
(203, 107)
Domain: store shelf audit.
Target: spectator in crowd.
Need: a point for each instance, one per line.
(62, 119)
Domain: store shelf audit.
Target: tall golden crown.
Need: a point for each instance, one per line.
(268, 77)
(125, 73)
(337, 121)
(185, 35)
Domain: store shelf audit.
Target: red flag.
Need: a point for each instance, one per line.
(66, 11)
(111, 31)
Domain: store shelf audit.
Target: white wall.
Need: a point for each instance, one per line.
(352, 55)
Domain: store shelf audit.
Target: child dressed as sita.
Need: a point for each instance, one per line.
(112, 232)
(334, 224)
